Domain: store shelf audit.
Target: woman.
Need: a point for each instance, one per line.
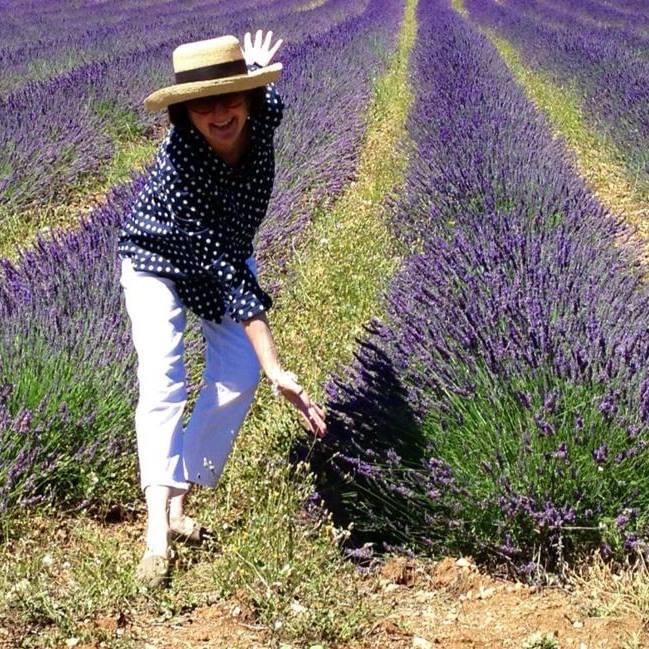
(187, 243)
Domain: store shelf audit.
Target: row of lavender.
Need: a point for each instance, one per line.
(614, 29)
(501, 407)
(610, 65)
(67, 366)
(46, 147)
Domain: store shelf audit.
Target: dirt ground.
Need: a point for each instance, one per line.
(447, 604)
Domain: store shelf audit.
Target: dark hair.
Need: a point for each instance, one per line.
(180, 119)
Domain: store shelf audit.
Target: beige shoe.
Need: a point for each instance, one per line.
(188, 531)
(153, 570)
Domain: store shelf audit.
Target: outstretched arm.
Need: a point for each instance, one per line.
(258, 332)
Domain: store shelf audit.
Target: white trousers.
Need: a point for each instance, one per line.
(167, 453)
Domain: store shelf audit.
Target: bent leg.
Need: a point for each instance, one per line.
(230, 380)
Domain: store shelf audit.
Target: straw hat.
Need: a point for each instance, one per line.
(211, 67)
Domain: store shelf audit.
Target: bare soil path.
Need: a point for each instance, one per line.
(420, 604)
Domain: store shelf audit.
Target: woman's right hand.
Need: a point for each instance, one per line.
(312, 414)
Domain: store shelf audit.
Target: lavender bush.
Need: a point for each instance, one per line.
(66, 359)
(501, 406)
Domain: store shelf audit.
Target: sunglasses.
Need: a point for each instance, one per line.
(204, 105)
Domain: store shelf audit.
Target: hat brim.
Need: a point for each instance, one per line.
(195, 89)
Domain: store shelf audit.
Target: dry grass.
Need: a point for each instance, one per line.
(309, 6)
(458, 5)
(605, 590)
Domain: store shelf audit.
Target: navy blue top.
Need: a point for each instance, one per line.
(195, 218)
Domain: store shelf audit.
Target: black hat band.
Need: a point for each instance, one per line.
(212, 72)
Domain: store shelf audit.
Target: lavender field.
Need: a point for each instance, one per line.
(500, 407)
(496, 402)
(603, 48)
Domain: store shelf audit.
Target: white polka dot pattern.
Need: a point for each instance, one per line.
(196, 216)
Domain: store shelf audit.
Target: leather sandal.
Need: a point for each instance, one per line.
(189, 531)
(153, 570)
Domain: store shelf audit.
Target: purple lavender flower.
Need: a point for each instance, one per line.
(606, 550)
(608, 405)
(562, 452)
(393, 457)
(550, 401)
(623, 519)
(545, 428)
(525, 398)
(600, 454)
(631, 542)
(23, 421)
(5, 392)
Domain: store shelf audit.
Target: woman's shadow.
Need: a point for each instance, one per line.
(373, 438)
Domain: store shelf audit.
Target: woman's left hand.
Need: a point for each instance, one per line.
(260, 52)
(312, 414)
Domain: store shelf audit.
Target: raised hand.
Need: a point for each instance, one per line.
(260, 51)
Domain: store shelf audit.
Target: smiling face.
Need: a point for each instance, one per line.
(221, 120)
